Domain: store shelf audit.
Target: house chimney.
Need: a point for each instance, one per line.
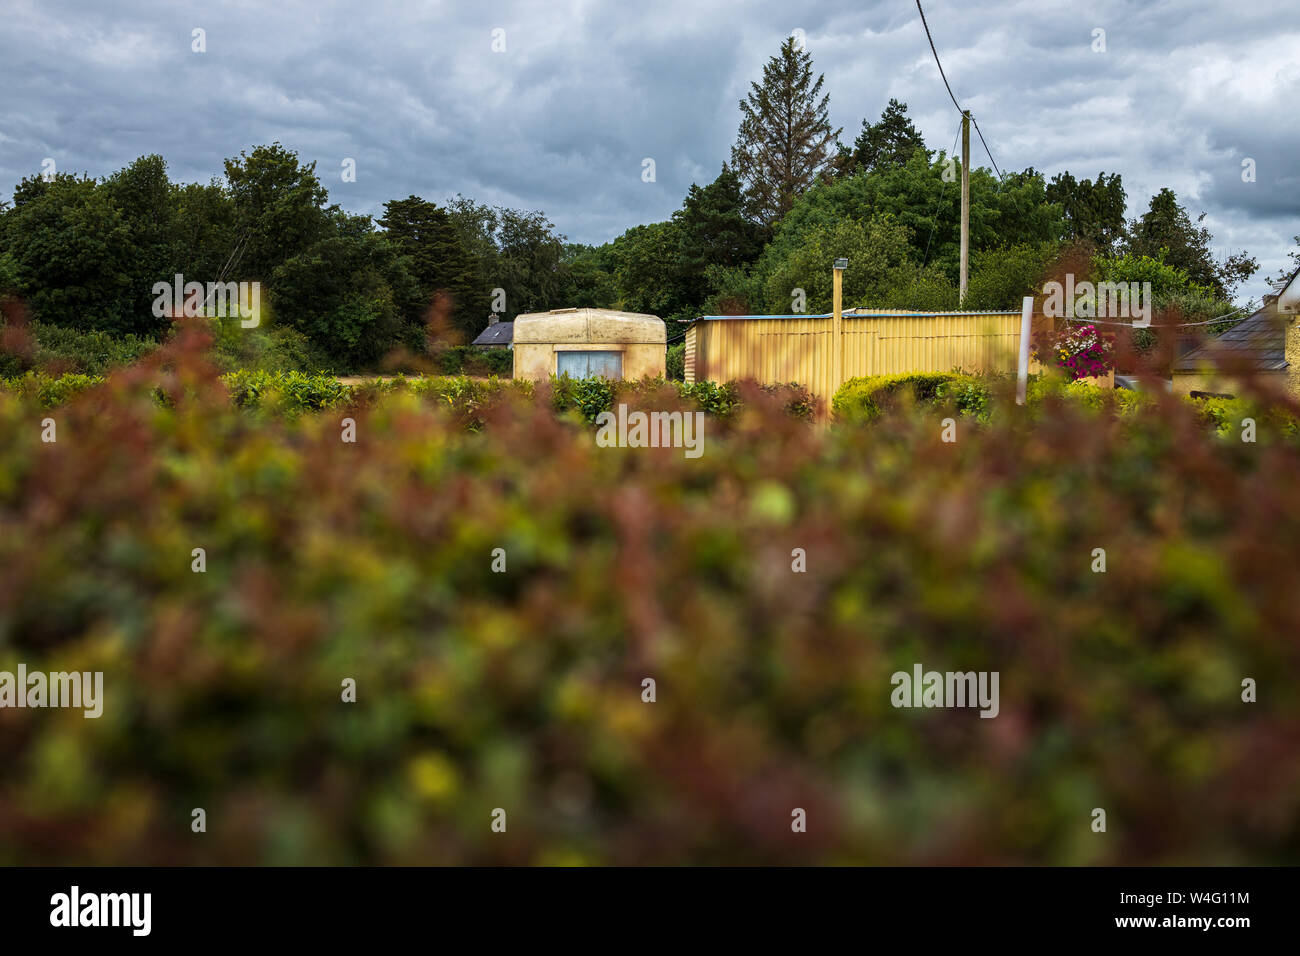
(493, 319)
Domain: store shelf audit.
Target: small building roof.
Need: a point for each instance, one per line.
(1259, 339)
(597, 326)
(498, 333)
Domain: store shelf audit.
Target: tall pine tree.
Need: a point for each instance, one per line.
(785, 142)
(887, 143)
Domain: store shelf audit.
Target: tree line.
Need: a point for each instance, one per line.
(344, 290)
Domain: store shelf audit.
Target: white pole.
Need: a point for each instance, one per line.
(1022, 377)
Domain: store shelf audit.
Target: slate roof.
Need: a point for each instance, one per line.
(1259, 339)
(498, 333)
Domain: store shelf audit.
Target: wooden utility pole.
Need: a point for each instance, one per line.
(837, 324)
(965, 204)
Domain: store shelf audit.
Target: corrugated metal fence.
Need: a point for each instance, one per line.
(776, 349)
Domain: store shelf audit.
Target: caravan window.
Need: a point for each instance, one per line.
(589, 364)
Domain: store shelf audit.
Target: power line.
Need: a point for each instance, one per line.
(986, 146)
(951, 96)
(936, 57)
(1178, 325)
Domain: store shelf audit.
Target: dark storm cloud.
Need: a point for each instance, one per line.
(585, 91)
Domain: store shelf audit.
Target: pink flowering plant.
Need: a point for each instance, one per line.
(1080, 351)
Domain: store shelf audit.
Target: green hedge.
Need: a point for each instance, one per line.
(676, 362)
(522, 688)
(475, 361)
(293, 393)
(866, 399)
(93, 353)
(49, 390)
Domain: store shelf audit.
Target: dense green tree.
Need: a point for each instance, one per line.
(203, 230)
(713, 230)
(1167, 233)
(279, 207)
(8, 275)
(881, 268)
(1001, 278)
(143, 194)
(648, 269)
(925, 198)
(34, 187)
(346, 294)
(515, 251)
(439, 260)
(1094, 211)
(785, 143)
(890, 141)
(528, 263)
(73, 255)
(589, 276)
(921, 200)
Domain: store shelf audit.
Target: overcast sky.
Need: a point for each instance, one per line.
(585, 90)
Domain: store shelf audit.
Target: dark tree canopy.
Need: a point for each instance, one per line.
(1094, 211)
(437, 256)
(714, 231)
(1165, 231)
(889, 142)
(279, 206)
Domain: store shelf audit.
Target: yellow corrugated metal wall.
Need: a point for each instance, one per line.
(774, 350)
(689, 353)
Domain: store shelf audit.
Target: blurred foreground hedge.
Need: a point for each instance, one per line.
(522, 690)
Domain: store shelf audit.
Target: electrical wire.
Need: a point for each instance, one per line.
(936, 58)
(951, 96)
(987, 150)
(1180, 325)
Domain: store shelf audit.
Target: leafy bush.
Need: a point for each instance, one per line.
(675, 363)
(1225, 416)
(266, 348)
(521, 688)
(1001, 278)
(586, 396)
(49, 391)
(94, 353)
(720, 400)
(969, 394)
(290, 391)
(469, 399)
(866, 399)
(472, 360)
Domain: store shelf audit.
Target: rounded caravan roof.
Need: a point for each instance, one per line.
(589, 326)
